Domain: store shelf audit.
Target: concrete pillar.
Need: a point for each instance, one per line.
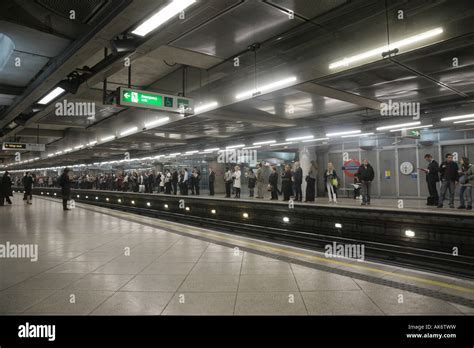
(219, 169)
(306, 155)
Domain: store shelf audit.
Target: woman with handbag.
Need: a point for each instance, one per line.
(237, 181)
(331, 182)
(311, 182)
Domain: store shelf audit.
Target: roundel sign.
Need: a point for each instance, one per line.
(351, 167)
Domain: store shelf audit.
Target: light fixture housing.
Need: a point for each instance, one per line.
(401, 125)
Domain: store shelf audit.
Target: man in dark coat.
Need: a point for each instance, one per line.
(212, 179)
(366, 175)
(432, 177)
(298, 181)
(449, 175)
(28, 186)
(65, 184)
(5, 189)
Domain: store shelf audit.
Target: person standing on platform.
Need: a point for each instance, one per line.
(185, 181)
(251, 180)
(260, 181)
(237, 181)
(197, 180)
(227, 181)
(212, 179)
(286, 183)
(174, 181)
(5, 189)
(365, 175)
(449, 175)
(331, 182)
(298, 181)
(65, 184)
(432, 178)
(311, 182)
(28, 186)
(466, 178)
(273, 183)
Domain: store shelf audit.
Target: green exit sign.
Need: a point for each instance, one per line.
(152, 100)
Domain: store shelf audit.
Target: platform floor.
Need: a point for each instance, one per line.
(174, 269)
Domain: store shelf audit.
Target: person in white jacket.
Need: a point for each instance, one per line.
(237, 181)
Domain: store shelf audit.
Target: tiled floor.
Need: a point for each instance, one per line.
(95, 263)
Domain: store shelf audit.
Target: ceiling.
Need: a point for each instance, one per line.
(196, 57)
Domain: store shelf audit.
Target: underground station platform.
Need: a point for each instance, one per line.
(236, 169)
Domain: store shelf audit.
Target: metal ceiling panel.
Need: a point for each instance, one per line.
(235, 30)
(308, 8)
(12, 75)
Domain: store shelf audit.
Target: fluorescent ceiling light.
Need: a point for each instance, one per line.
(281, 144)
(301, 138)
(464, 121)
(357, 135)
(110, 137)
(210, 150)
(202, 107)
(175, 154)
(156, 122)
(265, 142)
(379, 50)
(404, 129)
(51, 95)
(343, 133)
(36, 158)
(265, 88)
(92, 143)
(235, 146)
(51, 155)
(78, 147)
(251, 147)
(68, 150)
(307, 141)
(401, 125)
(191, 152)
(452, 118)
(162, 16)
(58, 153)
(129, 131)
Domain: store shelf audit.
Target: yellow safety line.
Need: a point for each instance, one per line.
(371, 269)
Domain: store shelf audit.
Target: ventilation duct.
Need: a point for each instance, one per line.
(6, 49)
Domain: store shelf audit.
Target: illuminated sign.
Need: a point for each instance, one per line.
(157, 101)
(23, 146)
(351, 167)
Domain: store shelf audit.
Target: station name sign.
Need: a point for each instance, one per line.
(157, 101)
(23, 147)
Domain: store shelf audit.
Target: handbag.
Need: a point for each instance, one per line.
(462, 180)
(269, 187)
(334, 182)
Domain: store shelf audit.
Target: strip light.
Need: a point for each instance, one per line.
(110, 137)
(402, 125)
(464, 121)
(404, 129)
(207, 106)
(235, 146)
(211, 150)
(343, 133)
(300, 138)
(307, 141)
(92, 143)
(162, 16)
(281, 144)
(379, 50)
(51, 95)
(452, 118)
(252, 147)
(156, 122)
(129, 131)
(265, 88)
(265, 142)
(357, 135)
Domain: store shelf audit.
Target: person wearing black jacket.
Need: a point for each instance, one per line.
(174, 181)
(298, 181)
(212, 179)
(273, 182)
(286, 183)
(432, 177)
(197, 180)
(366, 175)
(5, 189)
(449, 175)
(65, 184)
(28, 186)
